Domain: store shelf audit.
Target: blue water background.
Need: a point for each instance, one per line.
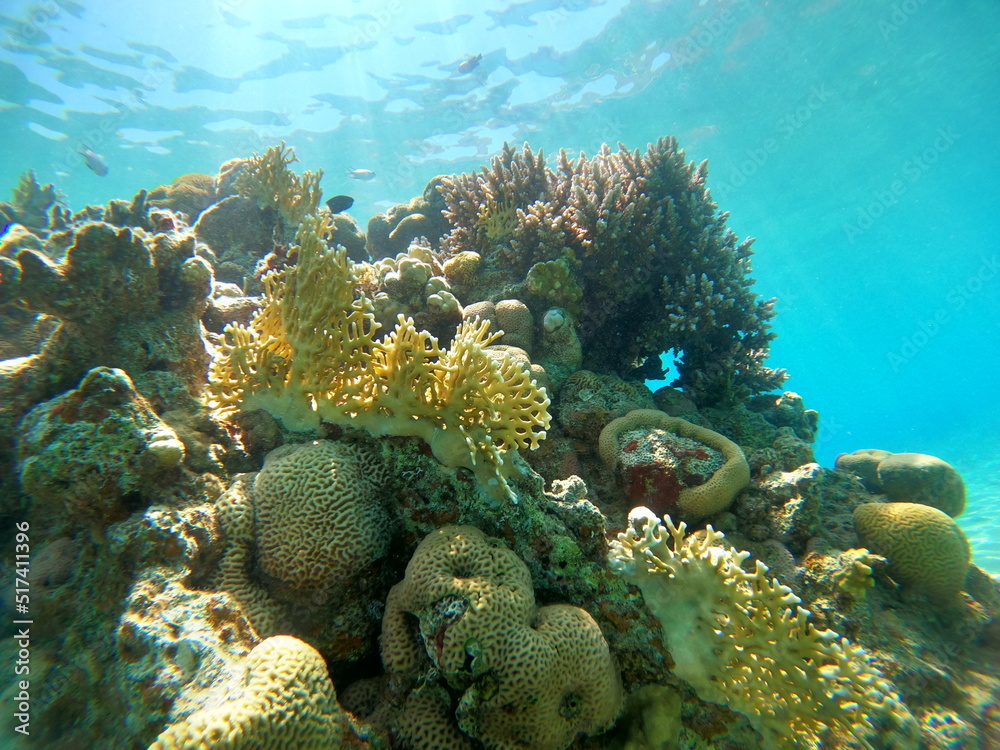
(858, 140)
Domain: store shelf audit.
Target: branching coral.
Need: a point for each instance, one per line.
(742, 640)
(638, 236)
(31, 205)
(310, 354)
(267, 179)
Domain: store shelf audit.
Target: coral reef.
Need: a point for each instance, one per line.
(120, 298)
(242, 450)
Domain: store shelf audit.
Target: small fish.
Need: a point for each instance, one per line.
(361, 174)
(339, 203)
(469, 64)
(94, 161)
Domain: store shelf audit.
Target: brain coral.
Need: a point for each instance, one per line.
(288, 702)
(527, 677)
(926, 549)
(318, 514)
(696, 501)
(918, 478)
(864, 464)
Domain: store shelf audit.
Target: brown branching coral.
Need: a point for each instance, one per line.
(643, 240)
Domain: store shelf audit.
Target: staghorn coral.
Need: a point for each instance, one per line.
(743, 641)
(267, 179)
(310, 353)
(926, 548)
(626, 240)
(652, 475)
(526, 676)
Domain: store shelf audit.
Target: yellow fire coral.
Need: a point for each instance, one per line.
(742, 640)
(310, 354)
(267, 179)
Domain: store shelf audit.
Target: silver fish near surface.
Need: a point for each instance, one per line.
(469, 64)
(94, 161)
(361, 174)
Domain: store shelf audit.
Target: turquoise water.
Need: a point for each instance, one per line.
(857, 140)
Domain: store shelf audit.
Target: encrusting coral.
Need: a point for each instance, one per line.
(95, 453)
(310, 354)
(742, 640)
(155, 575)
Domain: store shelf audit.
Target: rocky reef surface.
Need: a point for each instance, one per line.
(272, 480)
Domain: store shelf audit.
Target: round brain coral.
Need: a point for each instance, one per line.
(288, 701)
(926, 549)
(318, 514)
(514, 319)
(863, 464)
(527, 677)
(670, 486)
(918, 478)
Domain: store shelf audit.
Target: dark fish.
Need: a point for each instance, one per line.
(94, 161)
(339, 203)
(361, 174)
(470, 64)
